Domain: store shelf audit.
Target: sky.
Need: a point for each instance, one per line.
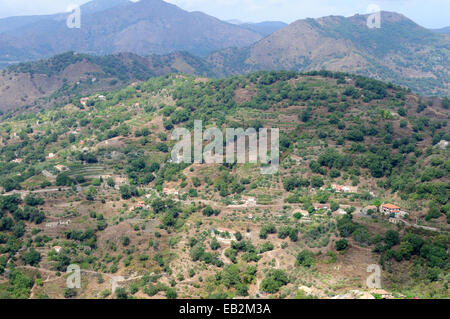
(428, 13)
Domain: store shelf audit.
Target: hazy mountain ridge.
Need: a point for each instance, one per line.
(264, 28)
(400, 51)
(145, 27)
(48, 81)
(445, 30)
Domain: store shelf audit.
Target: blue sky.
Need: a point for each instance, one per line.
(428, 13)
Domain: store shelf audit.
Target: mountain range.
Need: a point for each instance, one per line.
(161, 38)
(50, 81)
(400, 51)
(264, 28)
(144, 27)
(445, 30)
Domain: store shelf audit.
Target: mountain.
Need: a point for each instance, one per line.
(263, 28)
(144, 27)
(400, 51)
(445, 30)
(46, 82)
(95, 185)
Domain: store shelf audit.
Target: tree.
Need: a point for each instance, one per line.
(63, 179)
(317, 182)
(290, 183)
(162, 147)
(391, 238)
(306, 259)
(110, 182)
(33, 201)
(171, 293)
(209, 211)
(32, 257)
(334, 206)
(69, 293)
(127, 191)
(445, 103)
(214, 244)
(125, 241)
(341, 244)
(121, 293)
(274, 280)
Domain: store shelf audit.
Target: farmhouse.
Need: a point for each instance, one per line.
(388, 209)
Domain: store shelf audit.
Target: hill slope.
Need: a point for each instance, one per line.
(145, 27)
(98, 189)
(400, 51)
(46, 82)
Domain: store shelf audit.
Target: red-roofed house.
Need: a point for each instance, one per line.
(388, 209)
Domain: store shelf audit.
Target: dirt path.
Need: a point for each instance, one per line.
(115, 280)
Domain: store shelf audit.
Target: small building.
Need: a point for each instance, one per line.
(395, 221)
(52, 156)
(83, 101)
(140, 205)
(388, 209)
(57, 249)
(339, 212)
(170, 191)
(321, 206)
(383, 293)
(344, 188)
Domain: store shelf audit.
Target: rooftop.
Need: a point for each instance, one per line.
(390, 206)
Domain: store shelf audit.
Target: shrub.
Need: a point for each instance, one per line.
(306, 259)
(341, 244)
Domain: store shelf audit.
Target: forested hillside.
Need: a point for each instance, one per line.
(91, 183)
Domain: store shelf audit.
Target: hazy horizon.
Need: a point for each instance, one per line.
(431, 14)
